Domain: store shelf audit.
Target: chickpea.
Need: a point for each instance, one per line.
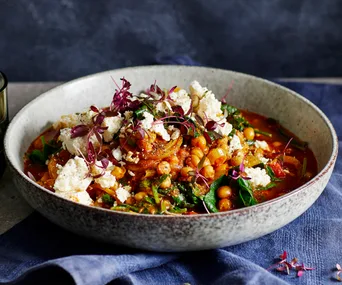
(185, 171)
(237, 159)
(217, 156)
(225, 205)
(208, 172)
(200, 142)
(197, 151)
(139, 196)
(152, 210)
(277, 144)
(163, 168)
(130, 201)
(224, 192)
(118, 172)
(221, 170)
(193, 160)
(249, 133)
(166, 204)
(166, 183)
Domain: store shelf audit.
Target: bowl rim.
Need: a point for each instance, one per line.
(236, 212)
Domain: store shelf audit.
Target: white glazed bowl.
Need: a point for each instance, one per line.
(174, 233)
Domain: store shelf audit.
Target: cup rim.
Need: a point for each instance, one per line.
(2, 88)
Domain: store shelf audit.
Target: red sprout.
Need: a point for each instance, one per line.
(223, 100)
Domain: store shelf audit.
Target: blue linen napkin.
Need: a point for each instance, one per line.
(39, 252)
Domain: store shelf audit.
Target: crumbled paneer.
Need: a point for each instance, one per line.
(76, 145)
(117, 154)
(146, 123)
(234, 144)
(106, 180)
(122, 194)
(113, 125)
(197, 89)
(182, 99)
(158, 128)
(258, 176)
(73, 176)
(163, 106)
(261, 144)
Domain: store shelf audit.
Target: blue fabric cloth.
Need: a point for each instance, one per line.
(39, 252)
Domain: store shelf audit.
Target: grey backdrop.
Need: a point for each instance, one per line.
(63, 39)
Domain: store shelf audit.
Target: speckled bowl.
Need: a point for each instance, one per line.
(174, 233)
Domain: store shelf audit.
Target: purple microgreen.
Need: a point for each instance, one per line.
(211, 125)
(301, 269)
(94, 109)
(178, 109)
(172, 89)
(105, 162)
(98, 119)
(339, 271)
(91, 153)
(284, 151)
(207, 138)
(199, 120)
(285, 266)
(223, 100)
(122, 97)
(196, 175)
(241, 174)
(190, 109)
(30, 175)
(205, 207)
(79, 131)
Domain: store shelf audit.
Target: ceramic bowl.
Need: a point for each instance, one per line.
(174, 233)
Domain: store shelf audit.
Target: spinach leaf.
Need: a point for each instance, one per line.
(181, 202)
(271, 174)
(210, 199)
(41, 156)
(190, 192)
(246, 192)
(268, 186)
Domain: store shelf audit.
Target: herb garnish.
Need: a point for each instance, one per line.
(285, 266)
(41, 156)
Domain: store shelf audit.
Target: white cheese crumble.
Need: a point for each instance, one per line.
(263, 160)
(225, 129)
(175, 132)
(258, 176)
(158, 128)
(72, 120)
(73, 181)
(209, 108)
(76, 145)
(107, 180)
(128, 115)
(163, 106)
(78, 197)
(182, 99)
(197, 89)
(113, 125)
(261, 144)
(129, 157)
(122, 194)
(146, 123)
(117, 154)
(234, 144)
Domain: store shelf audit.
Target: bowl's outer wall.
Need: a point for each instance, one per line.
(172, 233)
